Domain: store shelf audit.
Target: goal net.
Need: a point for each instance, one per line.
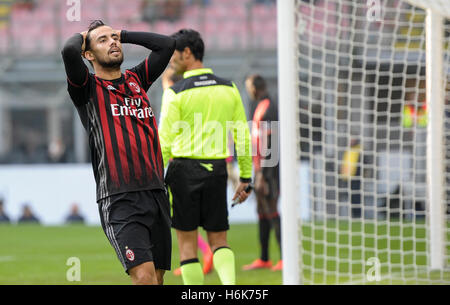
(364, 89)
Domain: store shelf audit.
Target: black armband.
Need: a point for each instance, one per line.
(245, 180)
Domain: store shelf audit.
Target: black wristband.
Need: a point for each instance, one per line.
(123, 36)
(245, 180)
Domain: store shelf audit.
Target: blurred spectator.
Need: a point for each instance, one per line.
(30, 152)
(25, 4)
(172, 10)
(150, 10)
(198, 2)
(5, 12)
(75, 216)
(28, 216)
(57, 152)
(154, 10)
(266, 2)
(29, 149)
(3, 217)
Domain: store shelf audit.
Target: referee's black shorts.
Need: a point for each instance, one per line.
(137, 225)
(199, 194)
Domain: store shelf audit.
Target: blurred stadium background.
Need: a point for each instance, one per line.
(44, 158)
(43, 147)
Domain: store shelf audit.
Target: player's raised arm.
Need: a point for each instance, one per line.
(162, 48)
(76, 70)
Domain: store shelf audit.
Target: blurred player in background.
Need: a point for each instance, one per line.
(193, 130)
(4, 218)
(168, 79)
(123, 137)
(267, 184)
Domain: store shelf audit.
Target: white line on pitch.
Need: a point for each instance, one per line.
(4, 259)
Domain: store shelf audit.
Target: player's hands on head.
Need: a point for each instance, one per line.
(241, 193)
(119, 33)
(83, 47)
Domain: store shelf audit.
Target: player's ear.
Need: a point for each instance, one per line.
(89, 55)
(187, 53)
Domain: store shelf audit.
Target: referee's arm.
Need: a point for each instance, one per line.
(170, 115)
(241, 136)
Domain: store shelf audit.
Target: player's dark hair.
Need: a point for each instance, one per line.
(191, 39)
(258, 82)
(94, 24)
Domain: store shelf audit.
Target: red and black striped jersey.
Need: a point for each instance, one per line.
(123, 134)
(265, 113)
(117, 115)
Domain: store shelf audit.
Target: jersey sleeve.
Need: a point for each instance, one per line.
(169, 118)
(79, 94)
(162, 48)
(76, 70)
(241, 136)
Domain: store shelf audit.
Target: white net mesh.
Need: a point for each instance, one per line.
(441, 6)
(363, 127)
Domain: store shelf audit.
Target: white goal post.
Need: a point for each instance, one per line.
(364, 110)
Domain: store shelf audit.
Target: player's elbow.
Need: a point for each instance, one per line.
(71, 48)
(171, 43)
(69, 51)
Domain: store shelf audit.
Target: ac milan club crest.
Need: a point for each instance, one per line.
(129, 254)
(135, 87)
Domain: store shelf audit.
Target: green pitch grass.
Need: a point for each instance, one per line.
(32, 254)
(337, 252)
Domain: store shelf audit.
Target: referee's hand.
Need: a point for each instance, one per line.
(241, 193)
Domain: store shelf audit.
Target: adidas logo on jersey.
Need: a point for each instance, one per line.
(110, 87)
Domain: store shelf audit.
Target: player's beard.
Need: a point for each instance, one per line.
(111, 63)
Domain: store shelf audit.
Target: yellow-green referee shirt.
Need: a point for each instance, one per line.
(196, 115)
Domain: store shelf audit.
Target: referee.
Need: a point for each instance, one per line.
(123, 137)
(196, 115)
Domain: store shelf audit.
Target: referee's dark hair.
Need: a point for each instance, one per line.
(191, 39)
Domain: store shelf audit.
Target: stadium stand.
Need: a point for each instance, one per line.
(240, 35)
(226, 25)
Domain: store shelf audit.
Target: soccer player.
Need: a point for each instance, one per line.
(196, 114)
(266, 177)
(123, 137)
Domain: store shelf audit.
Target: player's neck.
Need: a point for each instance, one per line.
(108, 73)
(262, 95)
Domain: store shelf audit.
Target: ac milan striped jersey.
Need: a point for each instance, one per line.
(123, 135)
